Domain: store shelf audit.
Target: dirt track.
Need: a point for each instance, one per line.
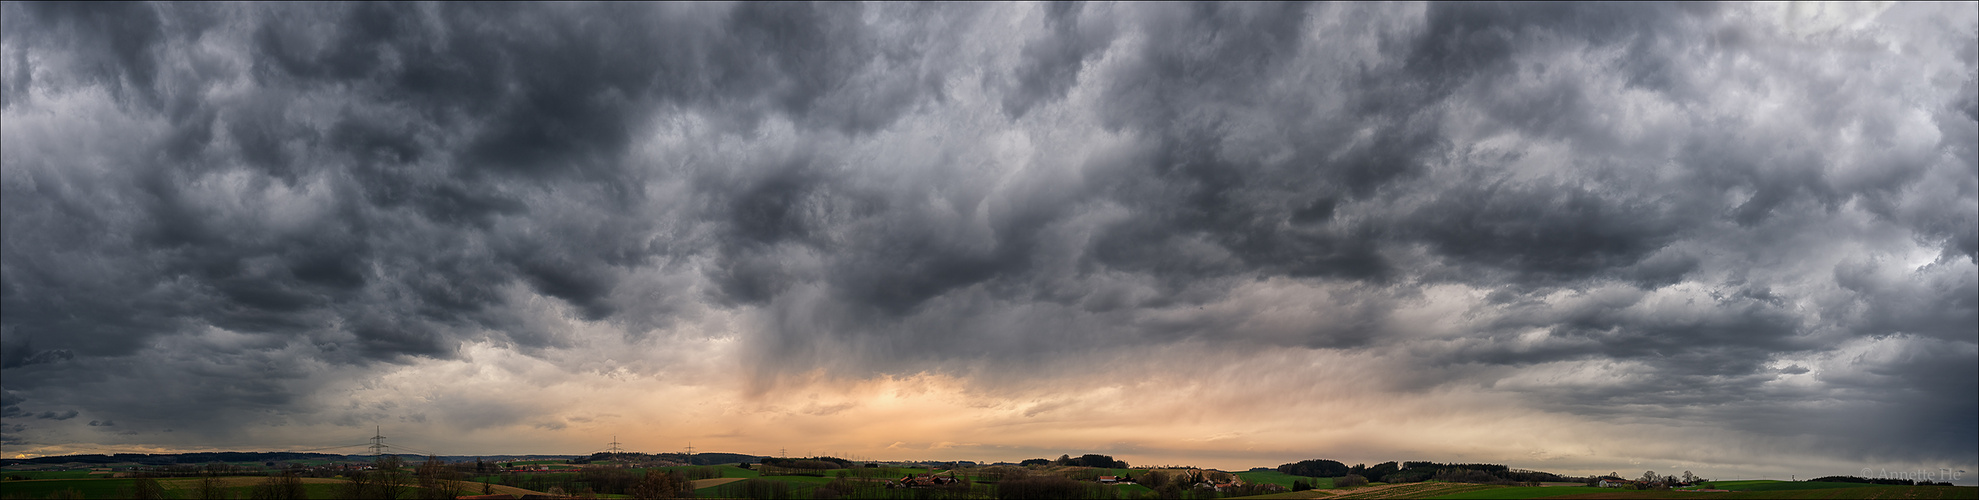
(703, 483)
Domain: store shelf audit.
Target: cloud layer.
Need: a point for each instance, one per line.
(1173, 230)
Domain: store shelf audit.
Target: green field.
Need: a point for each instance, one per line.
(1875, 492)
(89, 488)
(1748, 490)
(48, 474)
(1797, 485)
(539, 462)
(1734, 485)
(800, 486)
(1283, 479)
(1521, 492)
(1771, 485)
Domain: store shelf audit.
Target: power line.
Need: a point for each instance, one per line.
(415, 450)
(328, 448)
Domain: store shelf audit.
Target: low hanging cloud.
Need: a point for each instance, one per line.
(1753, 220)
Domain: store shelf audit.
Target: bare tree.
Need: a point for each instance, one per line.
(435, 479)
(286, 485)
(209, 487)
(662, 484)
(358, 486)
(391, 480)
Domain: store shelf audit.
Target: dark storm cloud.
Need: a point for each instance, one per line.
(417, 227)
(551, 94)
(1052, 62)
(271, 195)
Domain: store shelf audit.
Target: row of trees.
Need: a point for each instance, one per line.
(1864, 480)
(813, 466)
(1318, 467)
(1087, 460)
(1405, 472)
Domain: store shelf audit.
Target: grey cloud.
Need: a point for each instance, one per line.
(355, 184)
(461, 154)
(102, 423)
(49, 415)
(1052, 62)
(27, 357)
(10, 434)
(1544, 232)
(113, 45)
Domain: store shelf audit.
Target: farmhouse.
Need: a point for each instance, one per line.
(926, 480)
(1109, 479)
(1615, 483)
(1223, 486)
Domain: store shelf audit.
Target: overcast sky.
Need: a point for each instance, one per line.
(1733, 239)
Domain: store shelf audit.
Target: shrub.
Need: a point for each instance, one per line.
(663, 484)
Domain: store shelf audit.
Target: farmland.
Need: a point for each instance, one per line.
(622, 475)
(232, 487)
(1520, 492)
(1285, 480)
(1426, 489)
(1741, 490)
(1874, 492)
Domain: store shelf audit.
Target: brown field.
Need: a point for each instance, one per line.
(1301, 495)
(1409, 490)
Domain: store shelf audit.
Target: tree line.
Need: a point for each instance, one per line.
(1887, 481)
(1086, 460)
(1408, 472)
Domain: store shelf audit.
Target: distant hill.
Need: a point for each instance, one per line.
(709, 458)
(173, 458)
(713, 458)
(244, 456)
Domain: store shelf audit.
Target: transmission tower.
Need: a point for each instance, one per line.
(378, 442)
(615, 449)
